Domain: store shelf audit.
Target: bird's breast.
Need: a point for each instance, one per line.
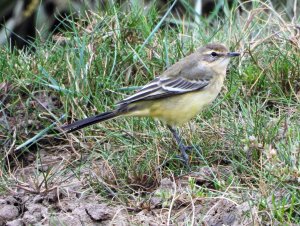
(179, 109)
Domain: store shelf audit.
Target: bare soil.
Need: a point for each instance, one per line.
(68, 200)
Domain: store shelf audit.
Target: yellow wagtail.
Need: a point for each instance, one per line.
(176, 96)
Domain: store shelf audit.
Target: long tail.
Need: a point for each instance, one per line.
(89, 121)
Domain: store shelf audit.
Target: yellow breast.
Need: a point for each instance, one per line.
(179, 109)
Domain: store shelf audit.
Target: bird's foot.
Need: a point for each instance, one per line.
(184, 156)
(189, 148)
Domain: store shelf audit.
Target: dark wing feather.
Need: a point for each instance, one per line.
(165, 88)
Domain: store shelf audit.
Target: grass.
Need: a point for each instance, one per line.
(249, 137)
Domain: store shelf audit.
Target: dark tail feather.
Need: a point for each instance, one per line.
(89, 121)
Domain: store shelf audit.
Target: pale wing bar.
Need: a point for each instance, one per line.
(164, 87)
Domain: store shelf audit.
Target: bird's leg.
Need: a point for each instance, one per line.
(182, 147)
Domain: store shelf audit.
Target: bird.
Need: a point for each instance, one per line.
(176, 96)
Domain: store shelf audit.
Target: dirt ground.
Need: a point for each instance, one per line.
(68, 200)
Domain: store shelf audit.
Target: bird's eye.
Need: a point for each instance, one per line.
(214, 54)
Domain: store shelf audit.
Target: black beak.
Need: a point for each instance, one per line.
(233, 54)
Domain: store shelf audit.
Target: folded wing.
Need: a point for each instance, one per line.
(162, 87)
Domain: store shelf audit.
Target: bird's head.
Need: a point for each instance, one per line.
(216, 56)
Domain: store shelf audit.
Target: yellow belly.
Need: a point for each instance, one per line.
(178, 109)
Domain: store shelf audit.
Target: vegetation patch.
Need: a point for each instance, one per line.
(245, 162)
